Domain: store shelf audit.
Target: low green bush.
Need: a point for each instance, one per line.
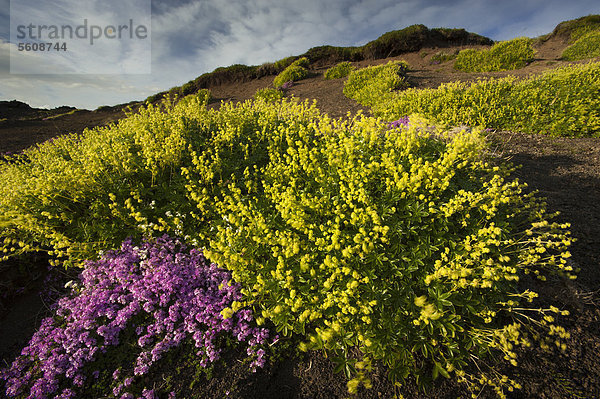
(341, 70)
(324, 55)
(416, 37)
(302, 62)
(202, 96)
(561, 102)
(188, 88)
(373, 84)
(502, 56)
(588, 46)
(268, 94)
(574, 29)
(294, 72)
(283, 63)
(77, 195)
(442, 56)
(154, 98)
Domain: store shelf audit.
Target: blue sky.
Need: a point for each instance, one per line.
(191, 37)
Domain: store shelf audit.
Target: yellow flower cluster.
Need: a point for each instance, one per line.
(560, 102)
(394, 241)
(401, 242)
(502, 56)
(374, 84)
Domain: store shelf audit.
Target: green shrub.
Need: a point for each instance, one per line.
(404, 243)
(587, 46)
(80, 194)
(283, 63)
(324, 55)
(296, 71)
(503, 56)
(562, 102)
(442, 56)
(202, 97)
(396, 242)
(574, 29)
(416, 37)
(188, 88)
(154, 98)
(341, 70)
(371, 85)
(267, 68)
(302, 62)
(269, 94)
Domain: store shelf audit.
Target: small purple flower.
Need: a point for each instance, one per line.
(287, 85)
(178, 292)
(402, 122)
(149, 394)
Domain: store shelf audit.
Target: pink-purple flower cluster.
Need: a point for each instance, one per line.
(181, 296)
(402, 122)
(287, 85)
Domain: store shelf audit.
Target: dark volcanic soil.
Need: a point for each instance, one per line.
(566, 171)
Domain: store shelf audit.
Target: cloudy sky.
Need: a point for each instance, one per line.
(190, 37)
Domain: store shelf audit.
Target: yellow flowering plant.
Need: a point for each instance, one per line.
(502, 56)
(297, 70)
(405, 243)
(341, 70)
(560, 102)
(374, 84)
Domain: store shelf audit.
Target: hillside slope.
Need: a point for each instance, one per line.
(566, 171)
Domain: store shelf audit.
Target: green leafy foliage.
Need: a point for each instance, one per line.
(502, 56)
(414, 38)
(188, 88)
(302, 62)
(371, 85)
(294, 72)
(588, 46)
(283, 63)
(442, 56)
(202, 97)
(269, 94)
(324, 55)
(154, 98)
(574, 29)
(80, 194)
(341, 70)
(561, 102)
